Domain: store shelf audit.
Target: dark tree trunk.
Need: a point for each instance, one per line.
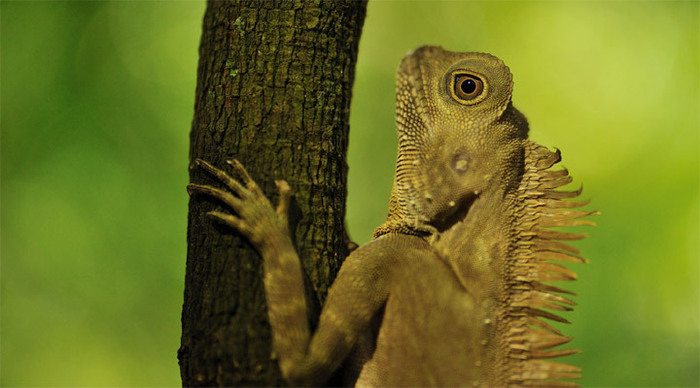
(273, 90)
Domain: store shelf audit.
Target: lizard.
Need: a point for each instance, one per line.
(453, 288)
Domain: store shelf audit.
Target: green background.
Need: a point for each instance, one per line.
(97, 102)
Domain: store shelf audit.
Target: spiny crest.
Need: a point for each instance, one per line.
(535, 249)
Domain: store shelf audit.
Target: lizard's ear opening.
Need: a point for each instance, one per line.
(466, 87)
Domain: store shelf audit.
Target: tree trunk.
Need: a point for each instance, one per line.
(273, 90)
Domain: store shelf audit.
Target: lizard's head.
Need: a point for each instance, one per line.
(459, 134)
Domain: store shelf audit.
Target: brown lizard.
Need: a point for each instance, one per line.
(454, 283)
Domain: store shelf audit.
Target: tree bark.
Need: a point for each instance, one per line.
(273, 91)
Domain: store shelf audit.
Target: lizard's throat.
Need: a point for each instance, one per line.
(454, 214)
(425, 207)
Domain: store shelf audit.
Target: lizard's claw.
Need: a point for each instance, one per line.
(232, 184)
(223, 196)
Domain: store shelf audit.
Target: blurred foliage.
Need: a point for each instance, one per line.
(97, 101)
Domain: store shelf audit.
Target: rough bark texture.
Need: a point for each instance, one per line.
(273, 91)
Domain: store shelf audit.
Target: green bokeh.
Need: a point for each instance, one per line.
(96, 107)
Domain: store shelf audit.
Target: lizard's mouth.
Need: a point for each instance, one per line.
(447, 218)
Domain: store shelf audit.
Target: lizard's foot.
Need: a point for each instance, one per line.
(255, 217)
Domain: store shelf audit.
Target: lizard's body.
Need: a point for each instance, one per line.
(411, 346)
(454, 278)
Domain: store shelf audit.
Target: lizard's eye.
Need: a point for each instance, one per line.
(466, 88)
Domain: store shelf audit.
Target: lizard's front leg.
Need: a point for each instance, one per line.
(267, 229)
(303, 359)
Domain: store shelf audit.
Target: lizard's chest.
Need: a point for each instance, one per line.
(431, 332)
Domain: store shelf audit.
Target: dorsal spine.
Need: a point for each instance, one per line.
(533, 255)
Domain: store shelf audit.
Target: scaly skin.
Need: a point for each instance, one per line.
(455, 276)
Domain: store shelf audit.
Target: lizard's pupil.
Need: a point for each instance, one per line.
(468, 86)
